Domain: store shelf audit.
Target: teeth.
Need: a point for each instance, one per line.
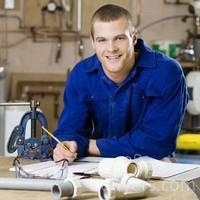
(112, 57)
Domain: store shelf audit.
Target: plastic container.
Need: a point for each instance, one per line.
(168, 47)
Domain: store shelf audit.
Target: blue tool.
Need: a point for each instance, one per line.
(30, 148)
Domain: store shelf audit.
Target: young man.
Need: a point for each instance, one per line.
(125, 100)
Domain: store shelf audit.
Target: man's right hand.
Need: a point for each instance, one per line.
(60, 153)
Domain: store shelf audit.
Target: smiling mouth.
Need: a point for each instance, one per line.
(116, 57)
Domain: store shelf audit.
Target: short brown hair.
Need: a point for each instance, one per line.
(110, 12)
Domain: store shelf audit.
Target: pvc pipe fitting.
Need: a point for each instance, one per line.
(116, 168)
(75, 187)
(130, 187)
(144, 170)
(66, 188)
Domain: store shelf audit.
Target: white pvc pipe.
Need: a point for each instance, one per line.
(27, 184)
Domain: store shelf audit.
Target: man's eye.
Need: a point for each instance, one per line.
(101, 40)
(121, 38)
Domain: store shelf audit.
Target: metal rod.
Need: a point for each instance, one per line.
(15, 104)
(79, 7)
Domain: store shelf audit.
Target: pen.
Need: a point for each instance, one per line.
(56, 139)
(85, 175)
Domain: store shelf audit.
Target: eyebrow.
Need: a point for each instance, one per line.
(101, 37)
(120, 35)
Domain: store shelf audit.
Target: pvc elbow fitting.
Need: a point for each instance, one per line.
(129, 187)
(144, 170)
(116, 168)
(75, 187)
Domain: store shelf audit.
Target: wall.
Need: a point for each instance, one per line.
(173, 29)
(25, 55)
(29, 56)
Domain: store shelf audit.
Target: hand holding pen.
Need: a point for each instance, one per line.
(64, 150)
(60, 153)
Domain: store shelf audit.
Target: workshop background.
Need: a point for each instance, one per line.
(41, 40)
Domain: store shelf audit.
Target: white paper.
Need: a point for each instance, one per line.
(186, 176)
(94, 159)
(50, 167)
(162, 169)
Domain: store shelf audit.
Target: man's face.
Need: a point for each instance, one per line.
(114, 45)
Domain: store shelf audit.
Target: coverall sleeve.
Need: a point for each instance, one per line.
(73, 119)
(156, 134)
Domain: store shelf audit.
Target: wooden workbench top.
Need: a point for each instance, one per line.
(161, 190)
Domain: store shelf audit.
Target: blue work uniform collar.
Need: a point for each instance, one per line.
(146, 59)
(146, 56)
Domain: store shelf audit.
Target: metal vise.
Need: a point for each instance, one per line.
(30, 148)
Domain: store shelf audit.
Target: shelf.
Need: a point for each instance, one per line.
(189, 64)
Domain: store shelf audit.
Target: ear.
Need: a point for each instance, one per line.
(134, 37)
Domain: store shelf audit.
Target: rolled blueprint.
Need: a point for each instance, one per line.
(28, 184)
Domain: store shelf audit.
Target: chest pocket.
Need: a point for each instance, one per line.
(97, 105)
(141, 100)
(151, 94)
(138, 99)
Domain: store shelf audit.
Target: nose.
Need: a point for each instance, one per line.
(112, 46)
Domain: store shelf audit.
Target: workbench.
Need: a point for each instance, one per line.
(161, 190)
